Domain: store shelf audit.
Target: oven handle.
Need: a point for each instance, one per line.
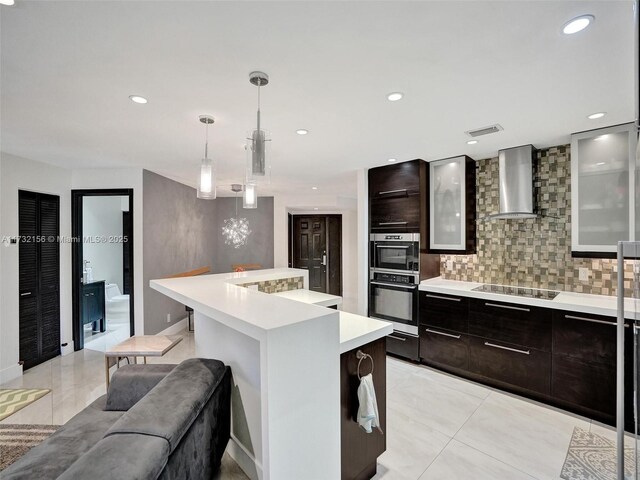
(394, 285)
(393, 246)
(392, 223)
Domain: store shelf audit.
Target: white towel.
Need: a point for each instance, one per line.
(368, 417)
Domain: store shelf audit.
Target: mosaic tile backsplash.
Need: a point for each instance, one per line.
(533, 252)
(280, 285)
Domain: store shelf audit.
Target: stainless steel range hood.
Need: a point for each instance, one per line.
(516, 183)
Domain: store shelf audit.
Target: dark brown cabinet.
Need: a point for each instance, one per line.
(511, 364)
(512, 323)
(403, 345)
(563, 358)
(400, 179)
(93, 305)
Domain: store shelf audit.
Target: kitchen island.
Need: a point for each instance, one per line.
(285, 357)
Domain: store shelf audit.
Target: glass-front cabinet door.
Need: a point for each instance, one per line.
(451, 202)
(603, 184)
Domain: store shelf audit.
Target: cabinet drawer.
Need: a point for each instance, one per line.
(590, 338)
(393, 180)
(444, 311)
(445, 348)
(588, 385)
(511, 323)
(403, 345)
(519, 366)
(398, 214)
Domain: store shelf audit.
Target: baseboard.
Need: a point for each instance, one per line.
(10, 373)
(67, 349)
(249, 465)
(175, 328)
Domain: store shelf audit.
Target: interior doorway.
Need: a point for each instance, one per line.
(315, 244)
(102, 265)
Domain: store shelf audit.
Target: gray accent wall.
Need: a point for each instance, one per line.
(181, 233)
(259, 248)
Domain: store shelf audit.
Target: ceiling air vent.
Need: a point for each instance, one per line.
(484, 131)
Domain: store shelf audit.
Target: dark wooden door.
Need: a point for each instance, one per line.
(310, 249)
(126, 253)
(39, 277)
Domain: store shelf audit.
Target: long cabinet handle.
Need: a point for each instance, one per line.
(509, 307)
(397, 338)
(394, 285)
(440, 297)
(592, 320)
(389, 192)
(442, 333)
(25, 294)
(524, 352)
(392, 223)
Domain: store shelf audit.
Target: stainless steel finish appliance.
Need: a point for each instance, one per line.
(395, 252)
(517, 291)
(394, 297)
(515, 175)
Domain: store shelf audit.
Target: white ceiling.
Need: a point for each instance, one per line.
(69, 67)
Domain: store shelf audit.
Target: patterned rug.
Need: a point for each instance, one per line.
(12, 400)
(593, 457)
(16, 440)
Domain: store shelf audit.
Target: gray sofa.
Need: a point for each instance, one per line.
(156, 421)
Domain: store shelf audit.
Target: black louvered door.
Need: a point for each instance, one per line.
(39, 277)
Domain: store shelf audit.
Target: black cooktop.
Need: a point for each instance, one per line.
(518, 291)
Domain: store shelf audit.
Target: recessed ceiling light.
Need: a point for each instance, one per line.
(7, 2)
(302, 131)
(577, 24)
(599, 164)
(471, 142)
(315, 208)
(391, 160)
(395, 96)
(594, 116)
(137, 99)
(314, 188)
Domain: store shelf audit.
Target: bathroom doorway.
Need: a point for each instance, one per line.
(102, 265)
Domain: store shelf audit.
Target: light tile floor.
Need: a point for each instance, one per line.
(439, 427)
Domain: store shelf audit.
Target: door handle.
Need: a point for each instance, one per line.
(389, 192)
(25, 294)
(324, 259)
(508, 307)
(397, 338)
(524, 352)
(592, 320)
(442, 333)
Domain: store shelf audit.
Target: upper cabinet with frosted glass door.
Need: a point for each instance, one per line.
(452, 205)
(603, 190)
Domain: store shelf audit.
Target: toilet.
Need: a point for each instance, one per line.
(117, 304)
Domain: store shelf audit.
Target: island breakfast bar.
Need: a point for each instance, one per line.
(285, 357)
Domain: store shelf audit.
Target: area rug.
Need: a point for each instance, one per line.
(593, 457)
(12, 400)
(16, 440)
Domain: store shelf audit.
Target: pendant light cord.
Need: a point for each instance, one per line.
(259, 84)
(206, 139)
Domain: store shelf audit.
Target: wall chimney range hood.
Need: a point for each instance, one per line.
(516, 166)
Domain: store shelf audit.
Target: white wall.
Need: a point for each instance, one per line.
(122, 178)
(326, 204)
(102, 219)
(22, 174)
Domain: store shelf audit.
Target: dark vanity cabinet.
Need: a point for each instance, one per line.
(93, 305)
(562, 358)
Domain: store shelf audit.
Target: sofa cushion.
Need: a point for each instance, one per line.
(169, 409)
(132, 382)
(118, 457)
(64, 447)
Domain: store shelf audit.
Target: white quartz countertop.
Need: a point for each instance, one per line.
(250, 311)
(309, 296)
(569, 301)
(357, 330)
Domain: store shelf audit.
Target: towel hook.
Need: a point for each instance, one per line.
(360, 355)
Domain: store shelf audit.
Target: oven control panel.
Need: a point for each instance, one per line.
(395, 278)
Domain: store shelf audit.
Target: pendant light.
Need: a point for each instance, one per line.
(207, 180)
(257, 155)
(236, 230)
(250, 197)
